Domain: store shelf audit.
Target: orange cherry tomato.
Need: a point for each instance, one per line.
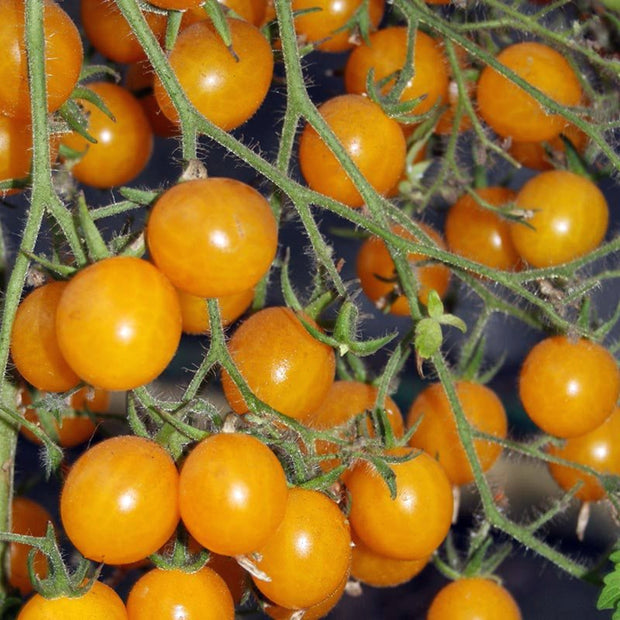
(212, 237)
(414, 524)
(119, 502)
(123, 145)
(15, 150)
(232, 573)
(167, 594)
(568, 388)
(118, 323)
(253, 11)
(437, 434)
(34, 345)
(569, 218)
(373, 140)
(513, 113)
(377, 273)
(281, 362)
(309, 555)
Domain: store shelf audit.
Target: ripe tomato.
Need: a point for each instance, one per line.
(321, 26)
(598, 449)
(414, 524)
(232, 573)
(281, 362)
(373, 140)
(15, 150)
(437, 432)
(386, 53)
(63, 58)
(480, 234)
(568, 387)
(123, 145)
(212, 237)
(377, 273)
(27, 517)
(34, 346)
(513, 113)
(253, 11)
(570, 217)
(119, 502)
(99, 603)
(244, 496)
(225, 89)
(110, 34)
(118, 323)
(167, 594)
(473, 598)
(309, 555)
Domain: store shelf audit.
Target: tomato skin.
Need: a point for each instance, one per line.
(169, 594)
(437, 434)
(119, 502)
(15, 150)
(35, 348)
(570, 217)
(473, 598)
(118, 323)
(309, 555)
(99, 603)
(212, 237)
(282, 363)
(239, 483)
(253, 11)
(224, 90)
(509, 110)
(569, 388)
(414, 524)
(374, 142)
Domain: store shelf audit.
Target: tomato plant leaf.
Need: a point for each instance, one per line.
(609, 597)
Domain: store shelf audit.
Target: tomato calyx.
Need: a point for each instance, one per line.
(181, 553)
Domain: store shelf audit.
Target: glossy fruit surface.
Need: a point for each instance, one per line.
(372, 140)
(437, 434)
(377, 272)
(414, 524)
(513, 113)
(119, 323)
(569, 218)
(239, 483)
(480, 234)
(568, 388)
(212, 237)
(224, 89)
(386, 53)
(119, 502)
(253, 11)
(63, 58)
(15, 150)
(473, 598)
(174, 594)
(123, 145)
(34, 345)
(309, 555)
(281, 362)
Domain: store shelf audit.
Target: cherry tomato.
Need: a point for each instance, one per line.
(63, 58)
(119, 502)
(15, 150)
(437, 434)
(513, 113)
(167, 594)
(569, 387)
(226, 89)
(324, 26)
(598, 449)
(212, 237)
(377, 273)
(123, 145)
(481, 234)
(34, 345)
(414, 524)
(231, 572)
(569, 218)
(118, 323)
(373, 140)
(281, 362)
(253, 11)
(309, 555)
(244, 496)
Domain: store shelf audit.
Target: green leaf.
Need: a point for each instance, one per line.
(386, 472)
(218, 18)
(81, 92)
(89, 71)
(72, 114)
(428, 337)
(453, 321)
(610, 594)
(434, 305)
